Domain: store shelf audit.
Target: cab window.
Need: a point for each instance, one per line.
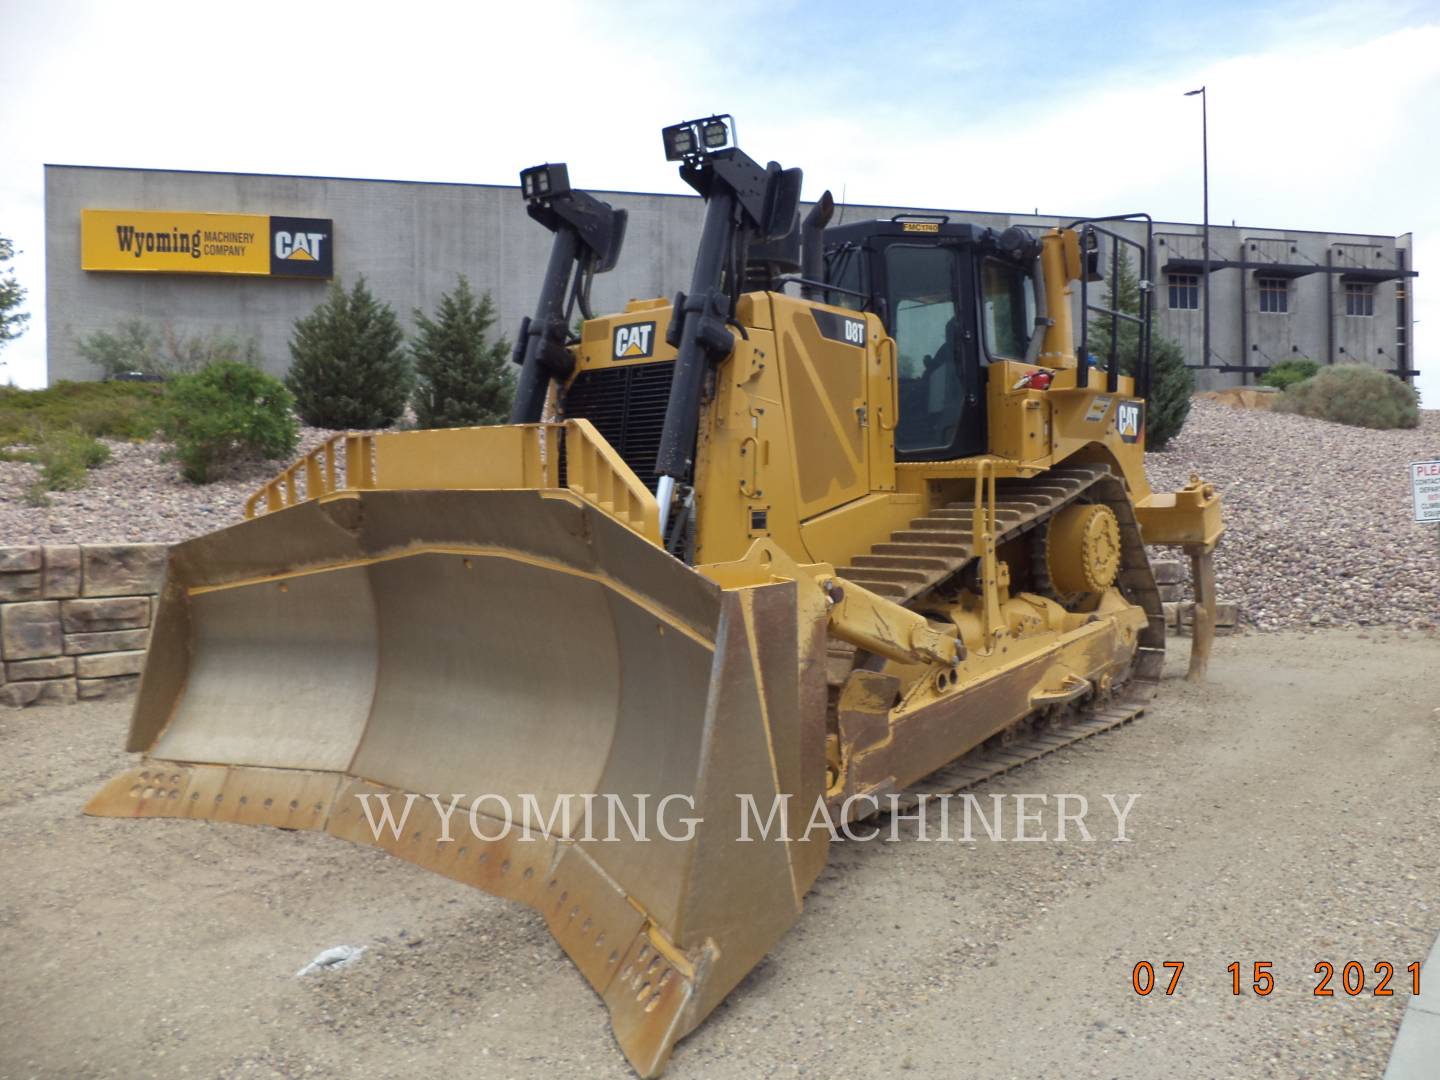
(926, 329)
(1007, 301)
(847, 271)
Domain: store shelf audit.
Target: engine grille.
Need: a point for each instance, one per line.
(627, 406)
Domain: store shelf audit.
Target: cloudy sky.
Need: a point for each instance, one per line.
(1322, 116)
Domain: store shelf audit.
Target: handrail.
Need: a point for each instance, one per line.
(595, 472)
(887, 343)
(982, 528)
(318, 467)
(475, 459)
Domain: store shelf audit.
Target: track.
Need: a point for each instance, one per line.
(935, 548)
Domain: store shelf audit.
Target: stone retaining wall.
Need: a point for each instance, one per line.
(75, 619)
(1172, 575)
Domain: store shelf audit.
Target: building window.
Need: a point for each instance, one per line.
(1359, 298)
(1185, 291)
(1274, 295)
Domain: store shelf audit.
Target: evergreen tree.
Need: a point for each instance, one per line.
(1171, 382)
(349, 368)
(12, 295)
(461, 379)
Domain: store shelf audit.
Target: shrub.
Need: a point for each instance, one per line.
(1354, 394)
(64, 456)
(460, 379)
(135, 345)
(227, 412)
(1289, 372)
(349, 369)
(110, 410)
(1171, 387)
(1171, 382)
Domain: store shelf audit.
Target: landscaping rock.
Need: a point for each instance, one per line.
(30, 629)
(62, 571)
(122, 569)
(20, 585)
(106, 641)
(98, 689)
(42, 692)
(103, 665)
(19, 558)
(120, 613)
(1318, 516)
(51, 667)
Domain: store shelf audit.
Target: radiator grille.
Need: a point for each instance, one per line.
(627, 406)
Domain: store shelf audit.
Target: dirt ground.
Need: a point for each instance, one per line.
(1287, 813)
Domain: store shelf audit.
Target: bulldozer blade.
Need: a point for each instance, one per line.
(453, 656)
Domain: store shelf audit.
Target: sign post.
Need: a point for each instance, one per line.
(1425, 487)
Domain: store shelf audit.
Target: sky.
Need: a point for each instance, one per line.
(1322, 115)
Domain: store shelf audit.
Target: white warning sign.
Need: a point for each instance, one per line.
(1425, 483)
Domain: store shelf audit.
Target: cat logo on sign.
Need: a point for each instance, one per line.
(1130, 420)
(635, 341)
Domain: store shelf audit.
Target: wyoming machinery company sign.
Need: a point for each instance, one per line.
(190, 243)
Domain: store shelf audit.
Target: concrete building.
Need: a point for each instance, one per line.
(1275, 294)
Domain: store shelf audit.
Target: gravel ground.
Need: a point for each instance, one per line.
(1318, 516)
(1286, 815)
(138, 497)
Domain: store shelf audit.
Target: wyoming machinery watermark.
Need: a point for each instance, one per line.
(607, 818)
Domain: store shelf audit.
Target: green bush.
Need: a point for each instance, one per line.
(224, 413)
(1289, 372)
(135, 345)
(64, 456)
(349, 369)
(1171, 386)
(108, 410)
(460, 378)
(1354, 394)
(1171, 382)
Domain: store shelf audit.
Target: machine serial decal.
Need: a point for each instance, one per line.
(1098, 408)
(635, 341)
(839, 328)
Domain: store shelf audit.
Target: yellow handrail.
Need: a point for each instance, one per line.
(470, 459)
(983, 530)
(595, 472)
(318, 467)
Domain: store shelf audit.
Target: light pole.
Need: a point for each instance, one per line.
(1205, 239)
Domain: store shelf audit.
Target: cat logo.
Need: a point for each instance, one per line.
(1130, 420)
(635, 341)
(304, 246)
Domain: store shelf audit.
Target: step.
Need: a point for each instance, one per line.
(881, 573)
(892, 590)
(927, 564)
(931, 536)
(943, 524)
(961, 552)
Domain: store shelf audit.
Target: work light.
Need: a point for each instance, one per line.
(698, 137)
(542, 182)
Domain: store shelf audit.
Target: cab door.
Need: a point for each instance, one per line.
(942, 389)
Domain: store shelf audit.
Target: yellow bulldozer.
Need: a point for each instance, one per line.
(851, 520)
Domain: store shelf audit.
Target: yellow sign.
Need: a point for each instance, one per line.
(182, 242)
(174, 242)
(921, 226)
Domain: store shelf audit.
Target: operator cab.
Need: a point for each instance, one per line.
(954, 298)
